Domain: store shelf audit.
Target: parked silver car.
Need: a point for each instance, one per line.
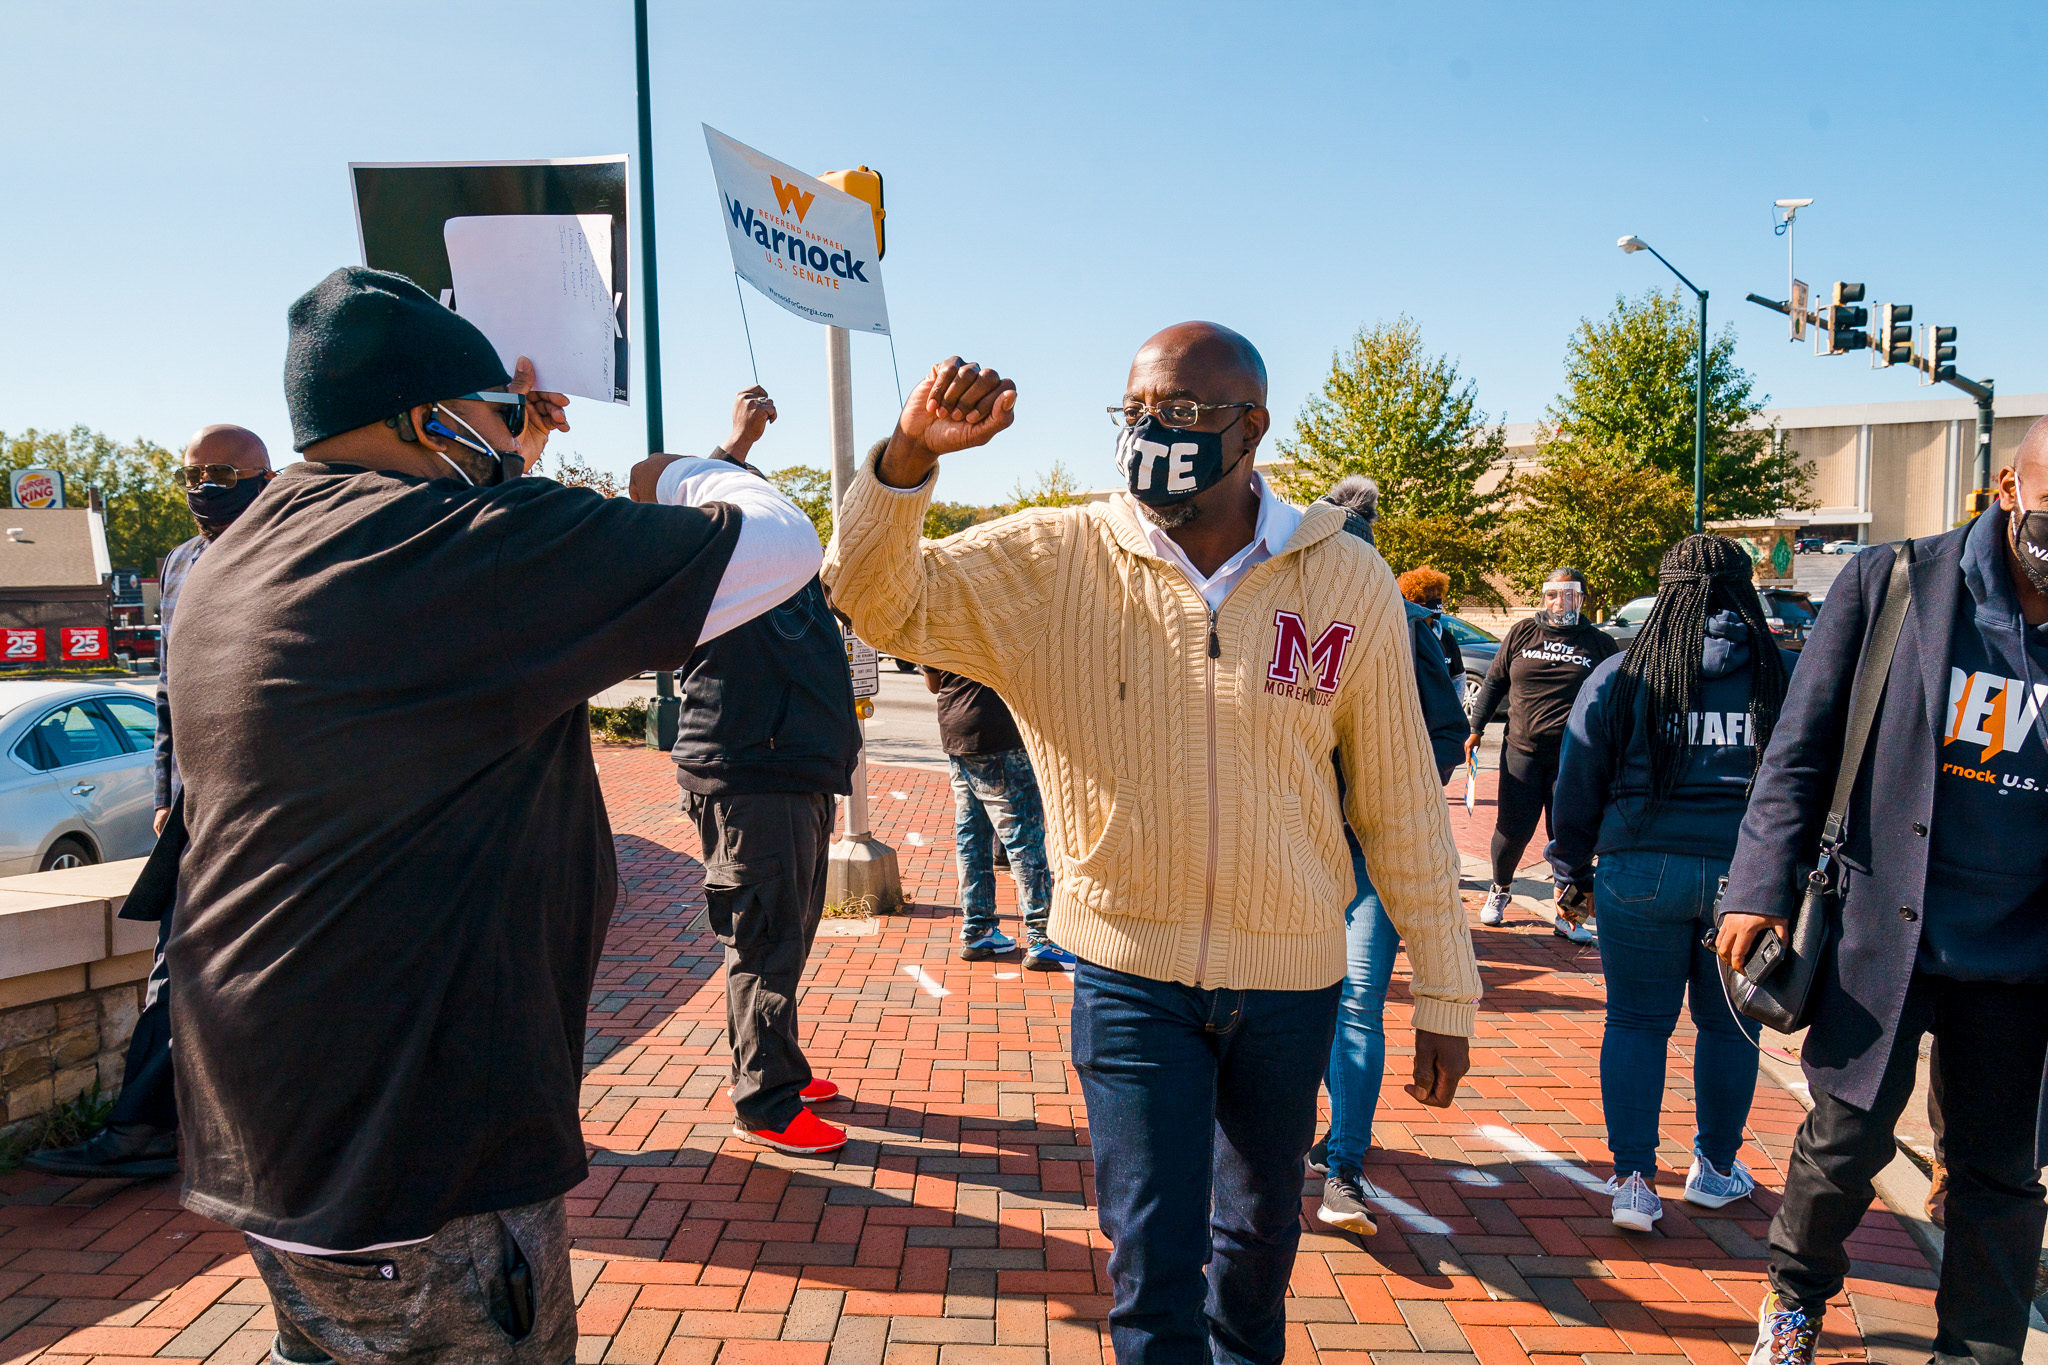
(76, 780)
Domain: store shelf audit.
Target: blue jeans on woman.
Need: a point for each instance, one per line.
(995, 796)
(1358, 1051)
(1654, 909)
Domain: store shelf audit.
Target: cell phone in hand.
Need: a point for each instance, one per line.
(1764, 958)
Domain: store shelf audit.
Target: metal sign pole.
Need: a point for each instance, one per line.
(839, 415)
(861, 867)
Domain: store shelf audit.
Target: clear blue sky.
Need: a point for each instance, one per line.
(1063, 180)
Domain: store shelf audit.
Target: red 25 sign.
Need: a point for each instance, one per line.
(84, 642)
(20, 644)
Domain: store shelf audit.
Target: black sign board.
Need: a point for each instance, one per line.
(401, 208)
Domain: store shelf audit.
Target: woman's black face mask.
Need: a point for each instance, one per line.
(215, 508)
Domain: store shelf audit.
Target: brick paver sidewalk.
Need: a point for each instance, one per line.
(956, 1229)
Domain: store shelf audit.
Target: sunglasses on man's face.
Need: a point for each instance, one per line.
(512, 407)
(220, 475)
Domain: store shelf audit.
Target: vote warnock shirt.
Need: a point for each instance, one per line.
(1987, 874)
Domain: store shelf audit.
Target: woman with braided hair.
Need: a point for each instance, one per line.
(1653, 779)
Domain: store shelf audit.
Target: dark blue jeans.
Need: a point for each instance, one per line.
(1653, 909)
(1201, 1105)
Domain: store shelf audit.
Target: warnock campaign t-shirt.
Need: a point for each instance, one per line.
(1987, 870)
(1540, 669)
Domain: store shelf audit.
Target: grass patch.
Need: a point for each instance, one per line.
(859, 907)
(69, 1124)
(620, 724)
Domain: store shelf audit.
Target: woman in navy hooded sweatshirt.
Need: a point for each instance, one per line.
(1652, 781)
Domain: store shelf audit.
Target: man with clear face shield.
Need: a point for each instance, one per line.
(1542, 663)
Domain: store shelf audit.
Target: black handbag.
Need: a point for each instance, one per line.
(1783, 999)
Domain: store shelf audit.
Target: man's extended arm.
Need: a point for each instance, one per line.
(777, 552)
(970, 604)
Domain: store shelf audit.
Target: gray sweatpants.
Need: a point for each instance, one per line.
(764, 889)
(493, 1287)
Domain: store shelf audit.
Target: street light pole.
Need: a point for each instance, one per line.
(1699, 389)
(664, 713)
(650, 339)
(1699, 426)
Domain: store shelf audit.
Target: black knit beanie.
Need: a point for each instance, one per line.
(364, 345)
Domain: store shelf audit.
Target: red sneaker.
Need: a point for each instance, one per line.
(817, 1092)
(807, 1135)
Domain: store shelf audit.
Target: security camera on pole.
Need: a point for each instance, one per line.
(814, 245)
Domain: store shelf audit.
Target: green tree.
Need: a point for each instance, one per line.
(146, 515)
(1598, 512)
(1629, 395)
(573, 471)
(1468, 555)
(1407, 418)
(811, 489)
(1057, 487)
(943, 519)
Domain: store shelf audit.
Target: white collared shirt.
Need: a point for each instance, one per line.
(1278, 521)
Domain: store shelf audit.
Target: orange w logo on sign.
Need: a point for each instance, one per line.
(791, 199)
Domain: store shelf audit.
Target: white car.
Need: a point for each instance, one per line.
(1844, 547)
(77, 775)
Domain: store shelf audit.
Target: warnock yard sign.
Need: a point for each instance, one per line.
(807, 246)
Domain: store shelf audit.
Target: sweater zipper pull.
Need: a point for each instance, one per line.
(1215, 645)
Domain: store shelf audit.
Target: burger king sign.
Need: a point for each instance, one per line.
(36, 487)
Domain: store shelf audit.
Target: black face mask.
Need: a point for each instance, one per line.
(2029, 530)
(1165, 466)
(215, 508)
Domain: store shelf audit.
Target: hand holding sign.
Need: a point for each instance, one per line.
(544, 413)
(958, 406)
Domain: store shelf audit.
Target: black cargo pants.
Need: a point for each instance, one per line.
(764, 881)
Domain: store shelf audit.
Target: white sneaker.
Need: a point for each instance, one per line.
(1784, 1336)
(1710, 1189)
(1636, 1205)
(1571, 933)
(1495, 912)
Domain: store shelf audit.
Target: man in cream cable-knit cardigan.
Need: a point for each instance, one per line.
(1183, 662)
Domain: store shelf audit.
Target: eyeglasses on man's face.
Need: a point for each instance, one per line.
(1178, 413)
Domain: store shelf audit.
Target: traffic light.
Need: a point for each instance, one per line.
(1846, 321)
(1937, 354)
(1892, 342)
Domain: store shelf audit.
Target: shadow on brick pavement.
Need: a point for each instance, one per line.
(957, 1228)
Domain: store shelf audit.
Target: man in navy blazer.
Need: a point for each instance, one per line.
(1943, 925)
